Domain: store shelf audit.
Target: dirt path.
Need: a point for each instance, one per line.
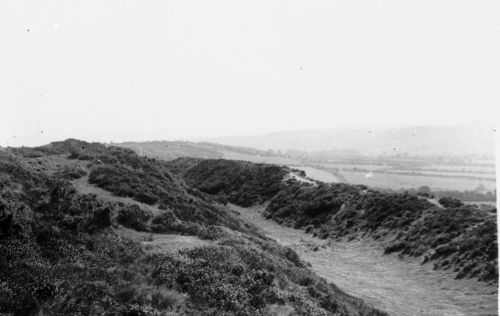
(399, 287)
(83, 186)
(150, 241)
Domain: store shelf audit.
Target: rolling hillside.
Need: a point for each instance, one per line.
(88, 229)
(452, 140)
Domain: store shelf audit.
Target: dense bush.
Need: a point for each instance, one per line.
(71, 173)
(450, 202)
(467, 195)
(255, 183)
(238, 278)
(132, 216)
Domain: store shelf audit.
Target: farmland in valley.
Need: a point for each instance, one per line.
(390, 176)
(385, 172)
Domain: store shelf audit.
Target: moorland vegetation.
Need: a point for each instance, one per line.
(66, 252)
(455, 237)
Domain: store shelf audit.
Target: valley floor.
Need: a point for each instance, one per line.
(400, 287)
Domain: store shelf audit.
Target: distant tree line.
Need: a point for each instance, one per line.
(466, 196)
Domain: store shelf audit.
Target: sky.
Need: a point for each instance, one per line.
(163, 70)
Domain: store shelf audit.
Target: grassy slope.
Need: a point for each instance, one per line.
(462, 239)
(67, 253)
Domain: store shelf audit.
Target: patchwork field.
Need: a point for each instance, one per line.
(387, 176)
(399, 181)
(318, 174)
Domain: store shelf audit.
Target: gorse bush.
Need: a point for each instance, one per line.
(256, 183)
(242, 280)
(164, 298)
(132, 216)
(71, 173)
(450, 202)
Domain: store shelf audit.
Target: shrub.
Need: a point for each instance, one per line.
(132, 216)
(450, 202)
(71, 173)
(164, 298)
(291, 255)
(100, 218)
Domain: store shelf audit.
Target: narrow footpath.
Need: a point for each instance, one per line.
(401, 287)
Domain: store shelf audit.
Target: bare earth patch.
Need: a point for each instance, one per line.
(164, 242)
(398, 286)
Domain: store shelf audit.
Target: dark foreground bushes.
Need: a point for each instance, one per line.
(61, 256)
(62, 253)
(241, 277)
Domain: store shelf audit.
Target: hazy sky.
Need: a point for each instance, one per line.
(138, 70)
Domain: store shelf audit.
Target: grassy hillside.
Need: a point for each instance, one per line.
(170, 150)
(461, 238)
(85, 230)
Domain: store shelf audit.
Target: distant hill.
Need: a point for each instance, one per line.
(421, 141)
(170, 150)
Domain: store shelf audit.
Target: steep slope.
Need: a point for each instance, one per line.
(460, 239)
(95, 230)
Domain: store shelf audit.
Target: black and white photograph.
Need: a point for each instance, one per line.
(249, 158)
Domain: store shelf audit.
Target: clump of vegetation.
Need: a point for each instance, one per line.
(132, 216)
(255, 182)
(463, 239)
(450, 202)
(466, 196)
(71, 173)
(246, 277)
